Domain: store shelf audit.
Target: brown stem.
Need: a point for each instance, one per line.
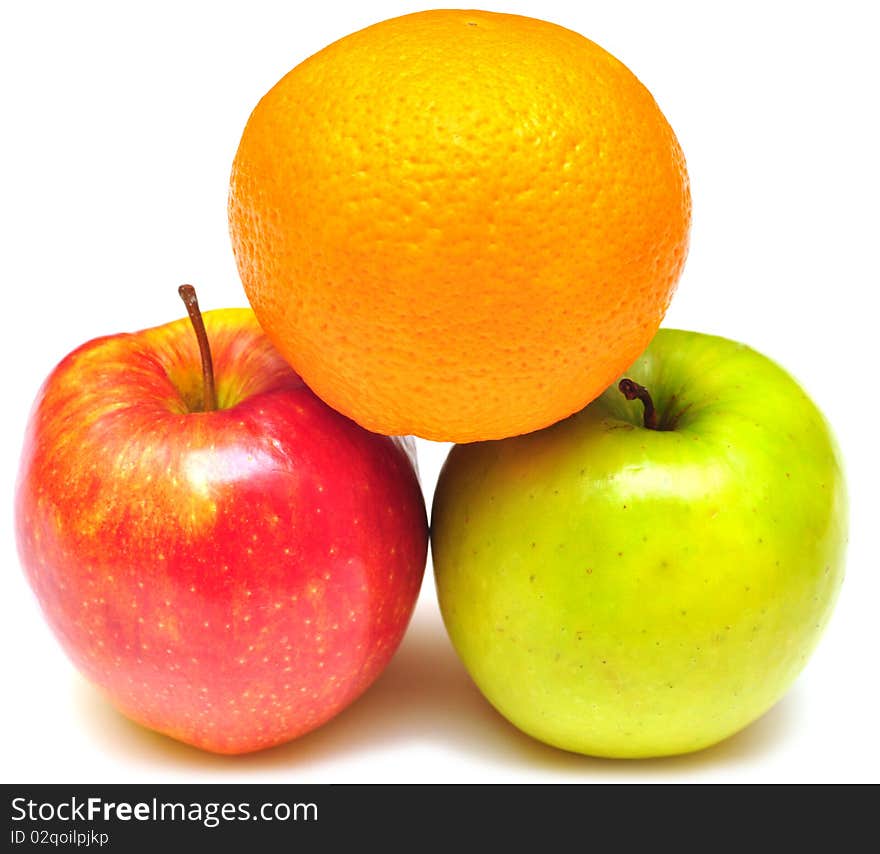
(190, 300)
(631, 391)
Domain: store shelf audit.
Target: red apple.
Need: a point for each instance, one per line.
(232, 576)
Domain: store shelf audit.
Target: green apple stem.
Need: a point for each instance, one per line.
(631, 391)
(191, 301)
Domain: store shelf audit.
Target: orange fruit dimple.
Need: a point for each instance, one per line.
(461, 225)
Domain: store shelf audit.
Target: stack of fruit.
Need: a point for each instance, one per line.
(467, 227)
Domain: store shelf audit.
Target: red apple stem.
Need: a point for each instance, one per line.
(631, 391)
(191, 301)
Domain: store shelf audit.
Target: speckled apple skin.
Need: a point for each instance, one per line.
(233, 578)
(626, 592)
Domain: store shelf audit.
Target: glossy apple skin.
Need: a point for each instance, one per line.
(231, 578)
(626, 592)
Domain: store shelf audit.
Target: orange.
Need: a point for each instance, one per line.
(457, 224)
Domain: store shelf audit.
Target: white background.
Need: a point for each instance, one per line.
(118, 132)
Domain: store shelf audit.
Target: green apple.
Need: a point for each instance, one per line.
(638, 581)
